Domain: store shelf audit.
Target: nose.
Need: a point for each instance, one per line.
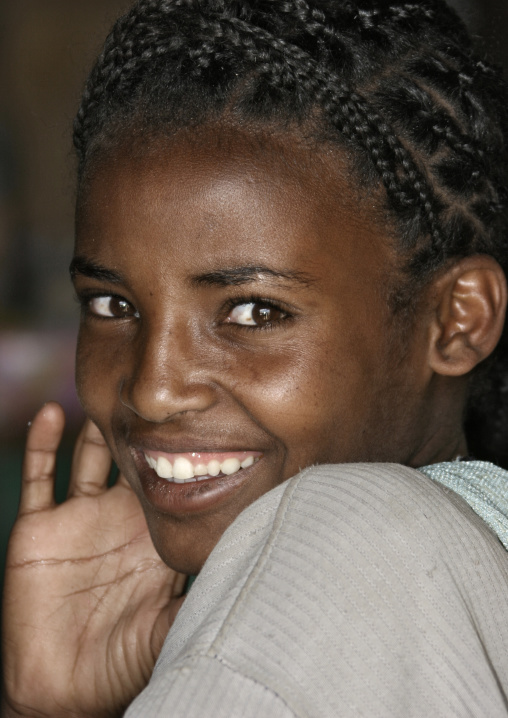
(167, 377)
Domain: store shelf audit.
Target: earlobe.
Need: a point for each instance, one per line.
(469, 314)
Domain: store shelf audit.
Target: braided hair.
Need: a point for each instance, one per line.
(397, 83)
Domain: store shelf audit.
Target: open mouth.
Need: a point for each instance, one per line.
(199, 466)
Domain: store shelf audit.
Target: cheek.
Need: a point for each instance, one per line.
(297, 395)
(95, 379)
(324, 400)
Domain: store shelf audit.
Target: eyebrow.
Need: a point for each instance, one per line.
(81, 265)
(236, 276)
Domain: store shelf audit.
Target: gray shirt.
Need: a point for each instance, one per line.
(348, 591)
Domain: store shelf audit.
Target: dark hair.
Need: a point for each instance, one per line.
(398, 83)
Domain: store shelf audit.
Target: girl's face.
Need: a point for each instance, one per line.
(235, 330)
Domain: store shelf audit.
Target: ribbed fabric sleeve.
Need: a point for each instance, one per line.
(203, 685)
(350, 590)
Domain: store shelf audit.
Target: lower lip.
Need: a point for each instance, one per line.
(192, 497)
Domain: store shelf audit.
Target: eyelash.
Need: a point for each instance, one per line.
(86, 298)
(234, 302)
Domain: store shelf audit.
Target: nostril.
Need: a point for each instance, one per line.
(157, 401)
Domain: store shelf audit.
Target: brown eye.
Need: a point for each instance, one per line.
(111, 307)
(255, 314)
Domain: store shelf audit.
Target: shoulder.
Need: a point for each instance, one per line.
(364, 594)
(387, 504)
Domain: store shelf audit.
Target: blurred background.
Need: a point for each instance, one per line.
(46, 50)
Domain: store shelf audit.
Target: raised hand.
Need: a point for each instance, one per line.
(87, 602)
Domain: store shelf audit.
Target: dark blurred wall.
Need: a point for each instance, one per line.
(494, 28)
(487, 19)
(46, 48)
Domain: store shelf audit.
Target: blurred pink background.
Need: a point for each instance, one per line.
(35, 366)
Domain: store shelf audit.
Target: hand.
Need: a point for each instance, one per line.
(88, 602)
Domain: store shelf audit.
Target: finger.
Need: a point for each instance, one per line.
(39, 463)
(91, 463)
(180, 584)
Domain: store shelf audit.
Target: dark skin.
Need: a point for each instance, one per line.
(232, 301)
(309, 387)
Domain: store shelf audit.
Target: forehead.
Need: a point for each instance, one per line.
(237, 197)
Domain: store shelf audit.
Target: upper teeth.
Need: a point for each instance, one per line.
(182, 470)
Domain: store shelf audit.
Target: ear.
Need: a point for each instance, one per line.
(468, 305)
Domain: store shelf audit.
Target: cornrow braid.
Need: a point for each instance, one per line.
(398, 83)
(354, 118)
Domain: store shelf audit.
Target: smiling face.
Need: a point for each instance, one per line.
(235, 329)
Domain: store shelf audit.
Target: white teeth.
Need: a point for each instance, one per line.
(213, 467)
(230, 466)
(182, 470)
(163, 468)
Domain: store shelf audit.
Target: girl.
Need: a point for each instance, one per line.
(290, 252)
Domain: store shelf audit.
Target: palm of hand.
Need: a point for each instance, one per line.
(88, 602)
